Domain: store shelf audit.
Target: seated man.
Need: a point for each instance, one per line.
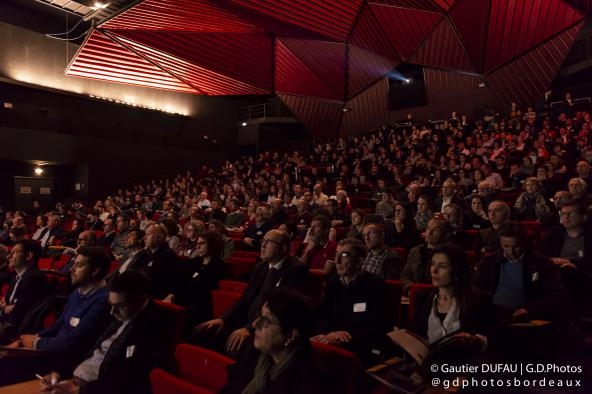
(255, 232)
(83, 319)
(26, 289)
(108, 236)
(317, 249)
(523, 283)
(85, 238)
(570, 247)
(380, 260)
(353, 310)
(138, 340)
(487, 240)
(160, 263)
(276, 269)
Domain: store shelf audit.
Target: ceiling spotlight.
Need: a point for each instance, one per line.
(99, 6)
(244, 124)
(38, 171)
(407, 80)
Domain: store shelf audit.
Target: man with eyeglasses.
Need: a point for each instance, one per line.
(354, 308)
(277, 269)
(380, 260)
(569, 245)
(84, 317)
(138, 340)
(85, 238)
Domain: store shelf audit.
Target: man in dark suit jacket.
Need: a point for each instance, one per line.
(448, 196)
(276, 269)
(26, 289)
(140, 339)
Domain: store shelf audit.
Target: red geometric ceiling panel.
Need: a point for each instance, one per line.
(525, 79)
(227, 54)
(206, 81)
(180, 15)
(427, 5)
(104, 59)
(330, 18)
(443, 49)
(406, 28)
(471, 18)
(332, 50)
(515, 26)
(294, 76)
(365, 68)
(322, 117)
(368, 34)
(325, 59)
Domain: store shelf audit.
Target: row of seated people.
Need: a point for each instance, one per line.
(353, 301)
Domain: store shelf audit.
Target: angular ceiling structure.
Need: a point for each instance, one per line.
(331, 50)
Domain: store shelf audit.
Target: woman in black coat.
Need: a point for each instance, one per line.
(200, 276)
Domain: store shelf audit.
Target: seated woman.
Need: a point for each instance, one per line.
(199, 277)
(531, 204)
(357, 224)
(401, 232)
(450, 308)
(284, 361)
(476, 218)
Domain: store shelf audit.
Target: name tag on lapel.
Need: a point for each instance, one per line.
(129, 352)
(195, 274)
(74, 321)
(360, 307)
(150, 263)
(535, 276)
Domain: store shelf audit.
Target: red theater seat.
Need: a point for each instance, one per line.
(202, 367)
(164, 383)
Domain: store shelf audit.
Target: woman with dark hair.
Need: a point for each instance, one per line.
(401, 231)
(357, 224)
(476, 217)
(172, 230)
(228, 248)
(284, 361)
(450, 308)
(199, 277)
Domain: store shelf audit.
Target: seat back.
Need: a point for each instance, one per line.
(223, 301)
(202, 367)
(232, 286)
(164, 383)
(413, 290)
(240, 267)
(59, 283)
(337, 365)
(395, 292)
(175, 314)
(43, 314)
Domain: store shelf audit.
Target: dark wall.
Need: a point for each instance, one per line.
(102, 165)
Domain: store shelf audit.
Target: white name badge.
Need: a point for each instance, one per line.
(74, 321)
(195, 274)
(150, 263)
(129, 352)
(535, 276)
(360, 307)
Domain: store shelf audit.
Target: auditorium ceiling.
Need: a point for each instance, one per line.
(323, 54)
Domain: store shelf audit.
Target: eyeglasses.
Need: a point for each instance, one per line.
(265, 241)
(201, 243)
(370, 234)
(345, 254)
